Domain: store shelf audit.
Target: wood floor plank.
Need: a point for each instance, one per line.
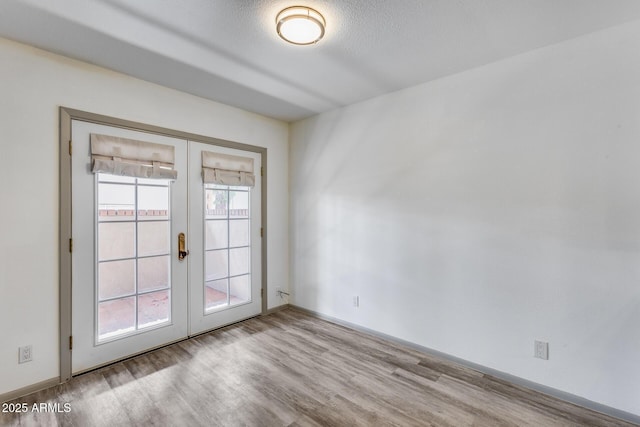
(293, 369)
(511, 411)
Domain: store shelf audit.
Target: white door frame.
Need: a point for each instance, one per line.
(66, 225)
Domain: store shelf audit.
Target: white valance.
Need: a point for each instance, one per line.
(226, 169)
(128, 157)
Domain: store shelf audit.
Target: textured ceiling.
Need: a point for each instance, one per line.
(228, 51)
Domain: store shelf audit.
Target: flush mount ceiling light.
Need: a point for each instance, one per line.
(300, 25)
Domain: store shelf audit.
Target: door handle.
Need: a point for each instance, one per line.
(182, 251)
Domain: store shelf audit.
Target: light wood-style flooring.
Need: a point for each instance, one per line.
(292, 369)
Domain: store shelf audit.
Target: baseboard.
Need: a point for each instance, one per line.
(549, 391)
(15, 394)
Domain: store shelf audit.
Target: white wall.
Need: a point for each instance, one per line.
(33, 85)
(480, 212)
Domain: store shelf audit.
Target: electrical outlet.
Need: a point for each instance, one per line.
(356, 301)
(541, 350)
(25, 354)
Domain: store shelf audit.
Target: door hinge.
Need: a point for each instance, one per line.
(261, 231)
(261, 171)
(70, 245)
(70, 146)
(261, 292)
(70, 342)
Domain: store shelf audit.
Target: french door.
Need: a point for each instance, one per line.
(157, 259)
(224, 225)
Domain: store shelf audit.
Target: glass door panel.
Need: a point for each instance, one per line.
(134, 274)
(226, 246)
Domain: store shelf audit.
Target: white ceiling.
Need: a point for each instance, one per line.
(228, 50)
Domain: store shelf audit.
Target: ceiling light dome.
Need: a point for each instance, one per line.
(300, 25)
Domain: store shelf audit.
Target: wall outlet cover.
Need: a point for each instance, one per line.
(541, 350)
(25, 354)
